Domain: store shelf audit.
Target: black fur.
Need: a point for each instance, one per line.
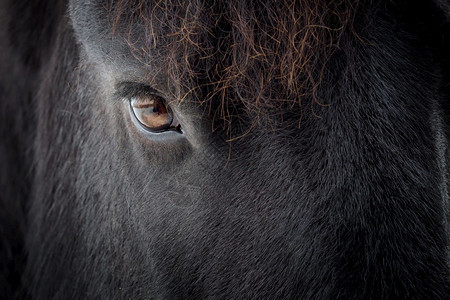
(350, 203)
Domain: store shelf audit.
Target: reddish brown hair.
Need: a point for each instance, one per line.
(261, 53)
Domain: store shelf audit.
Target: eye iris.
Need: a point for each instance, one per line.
(152, 112)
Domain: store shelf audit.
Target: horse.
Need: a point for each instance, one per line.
(241, 149)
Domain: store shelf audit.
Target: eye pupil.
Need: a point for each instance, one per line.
(152, 112)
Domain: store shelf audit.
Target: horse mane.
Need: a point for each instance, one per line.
(258, 54)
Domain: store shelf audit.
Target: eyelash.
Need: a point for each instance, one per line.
(127, 90)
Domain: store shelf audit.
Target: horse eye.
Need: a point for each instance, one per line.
(152, 113)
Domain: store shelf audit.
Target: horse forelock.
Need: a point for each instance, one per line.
(260, 54)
